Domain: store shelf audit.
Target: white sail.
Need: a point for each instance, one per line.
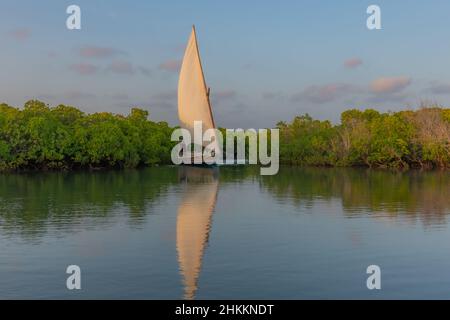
(194, 222)
(193, 94)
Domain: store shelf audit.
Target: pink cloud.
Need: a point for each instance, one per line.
(353, 63)
(84, 68)
(20, 34)
(170, 65)
(388, 85)
(325, 93)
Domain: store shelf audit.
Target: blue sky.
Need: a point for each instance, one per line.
(264, 60)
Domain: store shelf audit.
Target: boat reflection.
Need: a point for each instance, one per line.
(194, 221)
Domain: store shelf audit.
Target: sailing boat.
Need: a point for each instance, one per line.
(194, 222)
(193, 97)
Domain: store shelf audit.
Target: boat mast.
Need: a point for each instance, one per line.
(207, 90)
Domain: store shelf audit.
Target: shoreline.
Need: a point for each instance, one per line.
(282, 165)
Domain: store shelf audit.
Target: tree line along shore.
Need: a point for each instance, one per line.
(39, 137)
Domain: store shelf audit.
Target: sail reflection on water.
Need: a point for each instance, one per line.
(200, 186)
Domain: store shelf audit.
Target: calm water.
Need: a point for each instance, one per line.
(170, 232)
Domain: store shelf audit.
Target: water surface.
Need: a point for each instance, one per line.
(170, 232)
